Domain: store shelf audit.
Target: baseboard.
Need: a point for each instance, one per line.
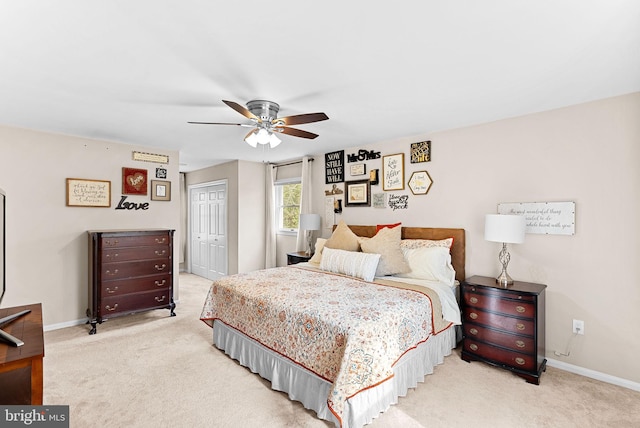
(594, 374)
(64, 324)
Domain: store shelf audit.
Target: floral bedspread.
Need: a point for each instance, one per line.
(345, 330)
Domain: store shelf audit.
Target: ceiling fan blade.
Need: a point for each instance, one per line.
(223, 123)
(296, 132)
(242, 110)
(299, 119)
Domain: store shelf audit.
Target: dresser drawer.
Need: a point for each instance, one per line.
(523, 307)
(113, 271)
(134, 302)
(134, 241)
(112, 255)
(517, 343)
(128, 286)
(500, 355)
(506, 323)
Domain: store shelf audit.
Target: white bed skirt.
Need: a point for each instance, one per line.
(312, 391)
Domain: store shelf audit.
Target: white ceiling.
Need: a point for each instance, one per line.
(135, 71)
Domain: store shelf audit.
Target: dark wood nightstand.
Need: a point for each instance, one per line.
(298, 257)
(504, 326)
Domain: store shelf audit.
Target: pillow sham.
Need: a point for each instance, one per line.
(390, 226)
(352, 263)
(317, 255)
(386, 243)
(407, 244)
(430, 263)
(343, 238)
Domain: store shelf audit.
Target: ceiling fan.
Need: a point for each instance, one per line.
(265, 121)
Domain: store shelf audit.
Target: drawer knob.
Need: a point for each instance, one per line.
(112, 255)
(161, 283)
(520, 309)
(160, 253)
(160, 299)
(111, 291)
(520, 361)
(473, 331)
(519, 343)
(473, 300)
(520, 326)
(473, 347)
(161, 267)
(108, 272)
(110, 309)
(473, 315)
(160, 241)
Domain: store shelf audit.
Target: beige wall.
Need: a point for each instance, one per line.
(587, 154)
(46, 240)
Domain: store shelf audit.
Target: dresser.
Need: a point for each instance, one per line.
(130, 271)
(504, 327)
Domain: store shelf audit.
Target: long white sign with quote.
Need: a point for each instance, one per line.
(548, 218)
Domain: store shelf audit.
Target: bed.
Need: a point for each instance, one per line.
(344, 344)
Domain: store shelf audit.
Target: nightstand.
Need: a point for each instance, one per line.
(504, 326)
(298, 257)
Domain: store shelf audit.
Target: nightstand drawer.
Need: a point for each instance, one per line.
(512, 359)
(522, 307)
(502, 322)
(495, 337)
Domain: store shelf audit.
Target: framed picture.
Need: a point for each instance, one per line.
(357, 193)
(160, 190)
(358, 169)
(421, 152)
(134, 181)
(393, 172)
(420, 182)
(88, 193)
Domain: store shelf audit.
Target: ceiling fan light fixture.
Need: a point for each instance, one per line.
(262, 136)
(252, 139)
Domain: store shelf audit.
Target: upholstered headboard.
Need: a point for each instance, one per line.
(434, 233)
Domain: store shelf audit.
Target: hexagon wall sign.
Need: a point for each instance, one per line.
(420, 182)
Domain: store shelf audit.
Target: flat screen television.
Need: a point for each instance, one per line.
(6, 337)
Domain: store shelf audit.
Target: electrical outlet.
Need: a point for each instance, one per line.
(578, 326)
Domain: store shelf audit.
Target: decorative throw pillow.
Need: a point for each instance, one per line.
(352, 263)
(431, 263)
(407, 244)
(343, 238)
(390, 226)
(315, 259)
(386, 243)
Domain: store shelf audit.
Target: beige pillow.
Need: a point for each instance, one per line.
(387, 243)
(343, 239)
(431, 263)
(317, 256)
(408, 244)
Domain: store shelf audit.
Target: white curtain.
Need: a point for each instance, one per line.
(305, 201)
(270, 216)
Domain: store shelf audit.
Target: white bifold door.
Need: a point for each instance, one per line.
(209, 230)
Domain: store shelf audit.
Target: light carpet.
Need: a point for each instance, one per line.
(152, 370)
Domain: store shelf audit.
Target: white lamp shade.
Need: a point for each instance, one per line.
(504, 228)
(310, 221)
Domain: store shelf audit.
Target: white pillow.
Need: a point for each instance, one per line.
(431, 263)
(317, 255)
(352, 263)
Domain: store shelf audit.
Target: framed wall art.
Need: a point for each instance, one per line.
(134, 181)
(420, 182)
(88, 193)
(160, 190)
(357, 193)
(358, 169)
(393, 172)
(421, 152)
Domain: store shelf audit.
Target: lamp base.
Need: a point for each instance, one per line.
(504, 279)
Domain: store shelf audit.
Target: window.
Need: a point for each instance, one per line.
(288, 205)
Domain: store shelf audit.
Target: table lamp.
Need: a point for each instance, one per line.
(508, 229)
(309, 223)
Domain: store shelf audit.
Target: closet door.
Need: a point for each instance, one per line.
(209, 231)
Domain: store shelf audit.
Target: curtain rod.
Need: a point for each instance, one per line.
(289, 163)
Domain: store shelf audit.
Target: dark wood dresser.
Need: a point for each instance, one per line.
(504, 326)
(130, 271)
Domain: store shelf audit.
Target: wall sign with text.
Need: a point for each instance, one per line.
(547, 218)
(334, 167)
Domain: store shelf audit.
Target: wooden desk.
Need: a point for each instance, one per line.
(21, 367)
